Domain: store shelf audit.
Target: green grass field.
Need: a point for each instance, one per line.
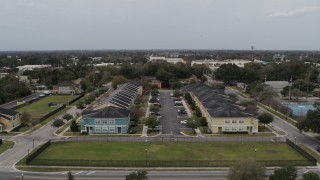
(169, 151)
(5, 146)
(40, 108)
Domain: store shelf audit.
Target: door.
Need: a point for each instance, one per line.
(119, 130)
(219, 129)
(87, 129)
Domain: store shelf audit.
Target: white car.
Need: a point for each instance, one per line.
(183, 122)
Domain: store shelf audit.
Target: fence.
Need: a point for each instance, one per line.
(302, 152)
(52, 113)
(163, 163)
(101, 138)
(75, 99)
(34, 154)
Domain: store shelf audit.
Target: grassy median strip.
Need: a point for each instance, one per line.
(6, 145)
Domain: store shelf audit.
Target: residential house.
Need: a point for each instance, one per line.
(109, 120)
(67, 87)
(112, 114)
(221, 113)
(9, 119)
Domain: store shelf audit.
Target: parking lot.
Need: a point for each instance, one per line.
(170, 119)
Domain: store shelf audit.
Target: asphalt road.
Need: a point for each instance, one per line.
(104, 175)
(13, 104)
(292, 132)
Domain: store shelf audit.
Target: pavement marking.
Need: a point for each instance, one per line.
(64, 172)
(90, 173)
(79, 172)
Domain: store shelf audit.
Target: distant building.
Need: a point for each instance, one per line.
(9, 119)
(215, 64)
(32, 67)
(156, 83)
(280, 57)
(169, 60)
(277, 85)
(2, 75)
(67, 87)
(103, 64)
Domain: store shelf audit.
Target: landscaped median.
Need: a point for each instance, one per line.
(5, 146)
(166, 154)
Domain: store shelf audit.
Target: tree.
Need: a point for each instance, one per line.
(57, 123)
(117, 80)
(310, 176)
(284, 173)
(67, 117)
(152, 122)
(74, 127)
(265, 118)
(247, 170)
(25, 118)
(228, 73)
(139, 175)
(312, 120)
(80, 105)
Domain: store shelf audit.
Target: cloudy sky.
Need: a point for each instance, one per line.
(159, 24)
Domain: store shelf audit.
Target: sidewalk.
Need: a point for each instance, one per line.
(145, 131)
(198, 132)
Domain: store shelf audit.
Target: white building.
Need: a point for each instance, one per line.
(103, 64)
(215, 64)
(32, 67)
(169, 60)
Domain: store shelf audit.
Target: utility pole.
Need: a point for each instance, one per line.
(290, 84)
(252, 47)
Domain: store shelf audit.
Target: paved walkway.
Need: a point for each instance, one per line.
(145, 131)
(198, 132)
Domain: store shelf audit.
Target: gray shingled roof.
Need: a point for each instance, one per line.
(108, 112)
(215, 102)
(7, 112)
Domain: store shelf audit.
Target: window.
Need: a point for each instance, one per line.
(111, 121)
(104, 121)
(241, 128)
(234, 128)
(105, 128)
(234, 121)
(98, 129)
(226, 121)
(112, 129)
(97, 121)
(226, 129)
(241, 121)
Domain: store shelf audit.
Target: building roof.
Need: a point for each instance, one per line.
(6, 113)
(67, 83)
(108, 112)
(123, 96)
(216, 103)
(277, 85)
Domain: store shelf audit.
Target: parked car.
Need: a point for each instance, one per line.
(318, 148)
(183, 122)
(178, 104)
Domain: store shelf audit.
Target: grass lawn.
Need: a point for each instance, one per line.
(169, 151)
(5, 146)
(40, 108)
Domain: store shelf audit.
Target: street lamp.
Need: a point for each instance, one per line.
(255, 154)
(146, 157)
(22, 176)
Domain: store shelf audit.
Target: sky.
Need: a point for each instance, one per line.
(159, 24)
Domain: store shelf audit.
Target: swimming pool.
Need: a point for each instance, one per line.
(300, 109)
